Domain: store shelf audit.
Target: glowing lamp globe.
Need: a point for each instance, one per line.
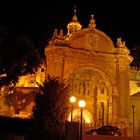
(72, 99)
(81, 103)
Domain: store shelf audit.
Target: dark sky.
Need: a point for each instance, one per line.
(38, 19)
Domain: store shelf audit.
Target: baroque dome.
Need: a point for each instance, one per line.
(89, 39)
(92, 39)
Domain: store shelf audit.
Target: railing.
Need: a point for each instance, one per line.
(92, 137)
(126, 129)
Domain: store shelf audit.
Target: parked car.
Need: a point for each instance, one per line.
(105, 130)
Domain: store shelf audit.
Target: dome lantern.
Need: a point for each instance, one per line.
(74, 25)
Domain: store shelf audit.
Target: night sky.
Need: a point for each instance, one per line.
(37, 20)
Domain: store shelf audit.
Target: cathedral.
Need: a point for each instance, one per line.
(97, 70)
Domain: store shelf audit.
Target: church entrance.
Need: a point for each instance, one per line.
(92, 86)
(87, 116)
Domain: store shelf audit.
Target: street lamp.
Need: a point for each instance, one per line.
(81, 104)
(133, 115)
(72, 101)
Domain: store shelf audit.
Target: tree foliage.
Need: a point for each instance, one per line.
(52, 105)
(18, 56)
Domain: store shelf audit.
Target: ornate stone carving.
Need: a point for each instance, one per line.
(91, 41)
(121, 46)
(84, 82)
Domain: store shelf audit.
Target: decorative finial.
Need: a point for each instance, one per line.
(75, 11)
(92, 24)
(61, 35)
(55, 34)
(55, 30)
(74, 18)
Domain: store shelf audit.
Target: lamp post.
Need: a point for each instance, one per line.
(133, 111)
(72, 100)
(81, 104)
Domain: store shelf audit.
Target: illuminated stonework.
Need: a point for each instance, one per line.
(74, 25)
(21, 101)
(97, 71)
(90, 84)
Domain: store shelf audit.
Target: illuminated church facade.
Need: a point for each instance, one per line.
(98, 72)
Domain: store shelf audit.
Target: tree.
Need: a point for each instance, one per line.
(18, 56)
(52, 106)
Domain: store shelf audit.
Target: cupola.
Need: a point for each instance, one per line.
(74, 25)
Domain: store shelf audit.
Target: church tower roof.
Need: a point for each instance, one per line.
(74, 25)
